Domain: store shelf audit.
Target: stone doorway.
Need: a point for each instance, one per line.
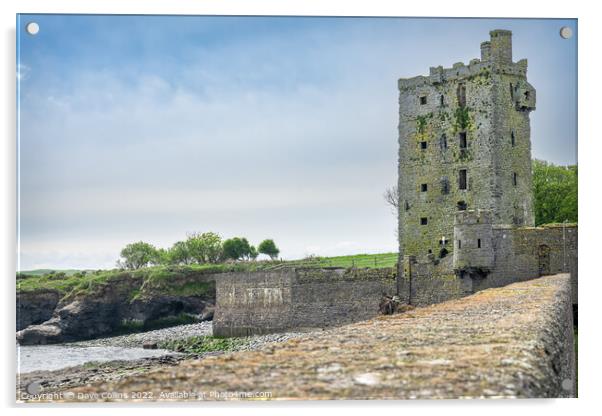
(543, 255)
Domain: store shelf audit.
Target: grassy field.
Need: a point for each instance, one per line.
(160, 277)
(356, 260)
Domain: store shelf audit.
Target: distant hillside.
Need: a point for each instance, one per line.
(41, 272)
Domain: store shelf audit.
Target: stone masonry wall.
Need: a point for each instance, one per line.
(510, 342)
(264, 302)
(529, 252)
(520, 254)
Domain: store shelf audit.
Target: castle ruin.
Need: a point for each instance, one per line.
(466, 220)
(465, 188)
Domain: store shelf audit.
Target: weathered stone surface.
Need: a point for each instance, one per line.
(263, 302)
(514, 341)
(35, 307)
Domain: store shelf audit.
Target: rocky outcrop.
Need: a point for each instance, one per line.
(35, 307)
(103, 309)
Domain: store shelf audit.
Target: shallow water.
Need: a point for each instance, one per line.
(55, 357)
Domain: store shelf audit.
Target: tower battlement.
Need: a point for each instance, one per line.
(496, 55)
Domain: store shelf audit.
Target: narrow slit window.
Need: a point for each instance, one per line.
(461, 95)
(424, 221)
(514, 179)
(423, 145)
(462, 179)
(511, 91)
(459, 243)
(463, 140)
(441, 101)
(478, 243)
(513, 138)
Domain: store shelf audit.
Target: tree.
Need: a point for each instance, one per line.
(554, 193)
(237, 248)
(269, 248)
(161, 257)
(253, 253)
(391, 196)
(205, 247)
(179, 254)
(137, 255)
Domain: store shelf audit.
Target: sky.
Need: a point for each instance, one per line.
(151, 127)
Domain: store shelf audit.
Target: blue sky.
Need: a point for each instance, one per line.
(149, 127)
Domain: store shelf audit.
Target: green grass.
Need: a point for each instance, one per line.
(40, 272)
(202, 344)
(357, 260)
(181, 280)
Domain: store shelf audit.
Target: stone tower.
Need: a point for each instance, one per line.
(464, 144)
(473, 242)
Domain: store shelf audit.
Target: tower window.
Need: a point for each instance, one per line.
(444, 186)
(511, 91)
(513, 138)
(462, 140)
(441, 101)
(423, 187)
(459, 243)
(462, 179)
(443, 142)
(423, 100)
(462, 206)
(461, 92)
(478, 243)
(424, 221)
(423, 145)
(514, 179)
(527, 95)
(406, 205)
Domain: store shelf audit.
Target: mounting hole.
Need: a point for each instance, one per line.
(566, 32)
(32, 28)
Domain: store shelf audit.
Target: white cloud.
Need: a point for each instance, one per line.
(22, 72)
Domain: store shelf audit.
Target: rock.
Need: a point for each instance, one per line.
(207, 314)
(102, 311)
(150, 346)
(39, 334)
(35, 307)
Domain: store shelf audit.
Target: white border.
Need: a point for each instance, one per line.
(589, 160)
